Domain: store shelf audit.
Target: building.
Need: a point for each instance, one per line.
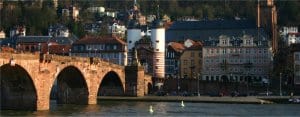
(292, 38)
(109, 48)
(44, 44)
(58, 30)
(2, 34)
(72, 12)
(241, 58)
(295, 50)
(92, 27)
(289, 34)
(134, 13)
(18, 31)
(283, 31)
(117, 29)
(191, 59)
(96, 9)
(202, 30)
(173, 53)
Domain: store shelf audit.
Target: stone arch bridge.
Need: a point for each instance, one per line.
(27, 80)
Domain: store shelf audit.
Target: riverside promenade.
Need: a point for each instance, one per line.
(203, 99)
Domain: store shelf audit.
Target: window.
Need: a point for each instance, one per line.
(185, 70)
(157, 41)
(185, 62)
(157, 49)
(224, 51)
(192, 54)
(297, 57)
(192, 62)
(157, 60)
(115, 47)
(248, 42)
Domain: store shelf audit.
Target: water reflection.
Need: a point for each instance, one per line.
(131, 108)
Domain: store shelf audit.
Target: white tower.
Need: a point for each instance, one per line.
(158, 43)
(133, 34)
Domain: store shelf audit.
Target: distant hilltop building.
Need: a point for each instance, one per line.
(58, 30)
(290, 35)
(18, 31)
(71, 11)
(134, 13)
(2, 34)
(96, 9)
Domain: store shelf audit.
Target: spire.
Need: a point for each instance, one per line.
(258, 14)
(157, 12)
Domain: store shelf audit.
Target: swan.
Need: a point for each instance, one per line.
(151, 109)
(182, 104)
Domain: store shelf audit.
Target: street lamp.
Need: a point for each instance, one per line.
(199, 75)
(70, 52)
(39, 48)
(63, 51)
(95, 52)
(49, 44)
(280, 84)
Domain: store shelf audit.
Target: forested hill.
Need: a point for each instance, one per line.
(38, 16)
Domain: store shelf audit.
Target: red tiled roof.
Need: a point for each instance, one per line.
(57, 49)
(178, 47)
(100, 39)
(292, 33)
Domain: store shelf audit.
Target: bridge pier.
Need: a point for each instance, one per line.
(134, 81)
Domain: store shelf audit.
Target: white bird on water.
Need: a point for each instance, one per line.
(151, 109)
(182, 104)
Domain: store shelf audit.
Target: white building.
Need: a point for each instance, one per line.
(2, 34)
(117, 29)
(18, 31)
(292, 38)
(96, 9)
(58, 30)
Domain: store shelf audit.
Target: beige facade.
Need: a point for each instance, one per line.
(191, 60)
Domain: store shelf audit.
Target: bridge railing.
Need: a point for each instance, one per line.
(19, 56)
(58, 58)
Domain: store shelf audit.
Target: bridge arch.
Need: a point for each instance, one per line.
(111, 84)
(18, 90)
(71, 86)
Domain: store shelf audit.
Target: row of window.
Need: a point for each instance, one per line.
(95, 47)
(236, 50)
(237, 61)
(192, 62)
(234, 78)
(101, 55)
(255, 70)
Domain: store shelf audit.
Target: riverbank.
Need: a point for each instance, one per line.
(196, 99)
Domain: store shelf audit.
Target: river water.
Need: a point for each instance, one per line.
(131, 108)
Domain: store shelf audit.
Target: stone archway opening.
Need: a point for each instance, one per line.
(70, 87)
(149, 88)
(111, 85)
(17, 89)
